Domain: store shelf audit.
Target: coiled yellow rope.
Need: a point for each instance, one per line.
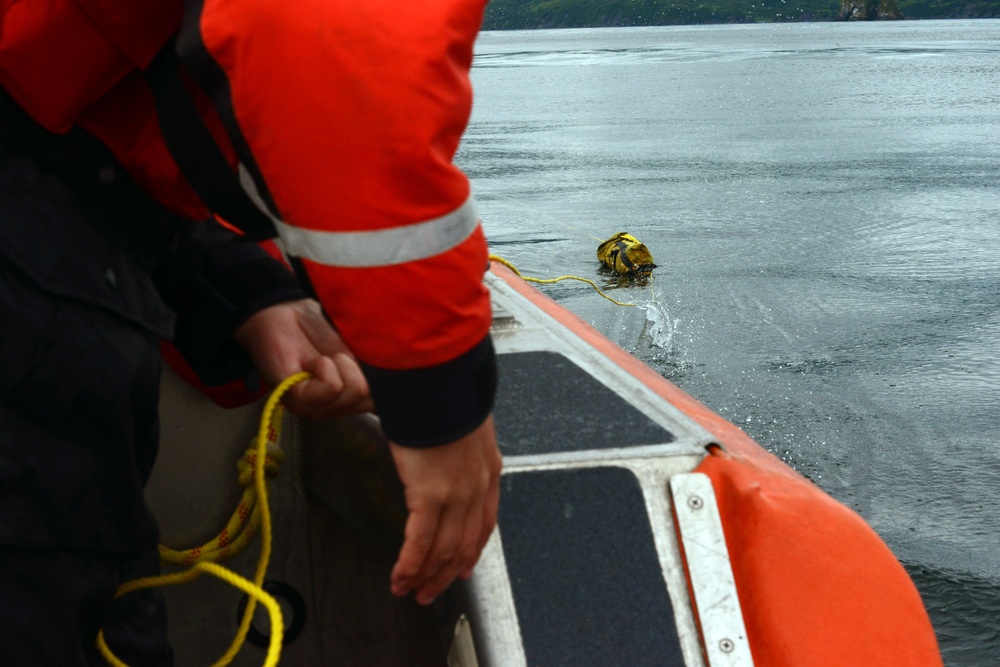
(269, 432)
(546, 281)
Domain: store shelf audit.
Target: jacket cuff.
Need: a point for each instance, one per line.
(432, 406)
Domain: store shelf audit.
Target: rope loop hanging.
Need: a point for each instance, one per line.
(252, 515)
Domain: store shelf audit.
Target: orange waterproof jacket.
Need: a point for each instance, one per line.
(342, 120)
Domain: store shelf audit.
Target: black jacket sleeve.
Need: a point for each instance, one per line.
(214, 281)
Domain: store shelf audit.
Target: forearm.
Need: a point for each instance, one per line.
(349, 140)
(354, 162)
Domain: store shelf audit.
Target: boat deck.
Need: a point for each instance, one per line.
(585, 569)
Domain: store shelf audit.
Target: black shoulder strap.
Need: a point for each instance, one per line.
(195, 151)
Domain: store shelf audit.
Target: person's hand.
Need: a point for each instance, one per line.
(294, 336)
(452, 492)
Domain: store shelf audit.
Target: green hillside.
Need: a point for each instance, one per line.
(521, 14)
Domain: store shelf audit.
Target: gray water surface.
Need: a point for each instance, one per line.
(822, 202)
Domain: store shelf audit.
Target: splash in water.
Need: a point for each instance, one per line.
(658, 332)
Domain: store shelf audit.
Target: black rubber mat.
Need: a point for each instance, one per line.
(546, 403)
(584, 570)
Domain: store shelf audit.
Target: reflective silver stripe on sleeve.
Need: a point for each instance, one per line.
(382, 247)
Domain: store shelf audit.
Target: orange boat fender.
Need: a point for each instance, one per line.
(816, 584)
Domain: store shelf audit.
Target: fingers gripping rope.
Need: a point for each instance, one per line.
(268, 435)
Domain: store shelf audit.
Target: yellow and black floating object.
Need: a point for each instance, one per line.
(626, 256)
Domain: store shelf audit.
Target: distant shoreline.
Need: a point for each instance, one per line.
(548, 14)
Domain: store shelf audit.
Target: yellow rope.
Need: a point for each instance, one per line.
(546, 281)
(245, 522)
(269, 432)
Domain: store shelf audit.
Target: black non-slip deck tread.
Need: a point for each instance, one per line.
(584, 570)
(546, 403)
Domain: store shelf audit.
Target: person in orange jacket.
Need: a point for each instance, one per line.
(340, 122)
